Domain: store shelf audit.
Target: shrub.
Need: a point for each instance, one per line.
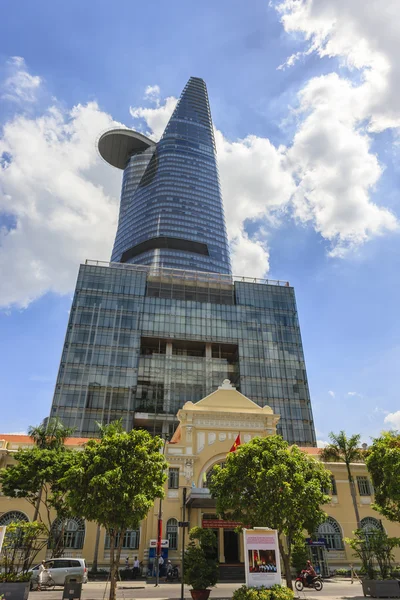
(276, 592)
(15, 578)
(200, 566)
(344, 572)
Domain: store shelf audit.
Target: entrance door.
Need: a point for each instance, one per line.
(231, 546)
(319, 560)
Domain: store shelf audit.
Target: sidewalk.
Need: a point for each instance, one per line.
(334, 589)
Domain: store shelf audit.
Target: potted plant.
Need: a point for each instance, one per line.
(200, 567)
(22, 543)
(376, 546)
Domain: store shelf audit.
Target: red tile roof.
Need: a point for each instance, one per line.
(26, 439)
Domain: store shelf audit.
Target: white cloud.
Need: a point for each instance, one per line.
(331, 153)
(155, 118)
(20, 86)
(322, 444)
(393, 419)
(152, 93)
(61, 196)
(331, 393)
(64, 199)
(354, 394)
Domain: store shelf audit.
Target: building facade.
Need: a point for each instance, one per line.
(205, 433)
(165, 322)
(140, 343)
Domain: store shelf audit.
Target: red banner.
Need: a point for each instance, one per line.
(220, 524)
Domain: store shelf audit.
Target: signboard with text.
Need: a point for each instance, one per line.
(220, 524)
(2, 535)
(164, 544)
(262, 557)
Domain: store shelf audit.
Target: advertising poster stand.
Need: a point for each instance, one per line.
(2, 535)
(262, 557)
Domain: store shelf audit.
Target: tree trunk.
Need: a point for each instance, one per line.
(353, 496)
(96, 549)
(113, 570)
(286, 563)
(119, 548)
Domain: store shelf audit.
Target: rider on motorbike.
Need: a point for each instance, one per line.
(310, 572)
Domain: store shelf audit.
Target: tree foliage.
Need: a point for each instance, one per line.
(200, 564)
(268, 483)
(370, 545)
(383, 463)
(22, 543)
(114, 483)
(299, 554)
(346, 450)
(36, 473)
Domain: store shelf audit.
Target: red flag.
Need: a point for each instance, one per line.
(236, 444)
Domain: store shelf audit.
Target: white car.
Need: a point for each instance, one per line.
(60, 568)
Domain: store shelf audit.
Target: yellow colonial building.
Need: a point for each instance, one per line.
(206, 432)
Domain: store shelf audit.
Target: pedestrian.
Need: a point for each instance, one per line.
(136, 567)
(168, 574)
(127, 563)
(43, 575)
(160, 566)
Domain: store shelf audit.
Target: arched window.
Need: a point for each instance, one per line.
(172, 534)
(13, 516)
(16, 539)
(370, 525)
(67, 533)
(209, 474)
(130, 542)
(331, 532)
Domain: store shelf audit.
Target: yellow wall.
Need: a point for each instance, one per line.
(205, 435)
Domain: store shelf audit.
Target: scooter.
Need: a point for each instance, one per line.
(301, 582)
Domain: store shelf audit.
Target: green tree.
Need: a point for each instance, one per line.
(200, 565)
(114, 483)
(299, 554)
(268, 483)
(383, 463)
(346, 450)
(36, 473)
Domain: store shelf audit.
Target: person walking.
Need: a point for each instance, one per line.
(127, 563)
(136, 567)
(43, 575)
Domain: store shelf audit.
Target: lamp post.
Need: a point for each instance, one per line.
(159, 525)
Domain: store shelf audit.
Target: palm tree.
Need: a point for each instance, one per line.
(50, 435)
(347, 450)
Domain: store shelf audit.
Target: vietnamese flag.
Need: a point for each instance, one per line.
(236, 444)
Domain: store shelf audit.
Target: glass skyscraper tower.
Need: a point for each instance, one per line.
(171, 212)
(165, 321)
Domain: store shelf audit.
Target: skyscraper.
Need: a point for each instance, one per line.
(165, 322)
(171, 212)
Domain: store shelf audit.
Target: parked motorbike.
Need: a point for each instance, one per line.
(301, 582)
(173, 574)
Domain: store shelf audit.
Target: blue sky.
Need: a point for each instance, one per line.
(307, 135)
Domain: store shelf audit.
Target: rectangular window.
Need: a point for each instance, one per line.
(173, 478)
(364, 486)
(332, 491)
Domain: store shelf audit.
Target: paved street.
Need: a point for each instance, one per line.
(339, 589)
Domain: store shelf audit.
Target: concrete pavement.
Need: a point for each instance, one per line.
(335, 589)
